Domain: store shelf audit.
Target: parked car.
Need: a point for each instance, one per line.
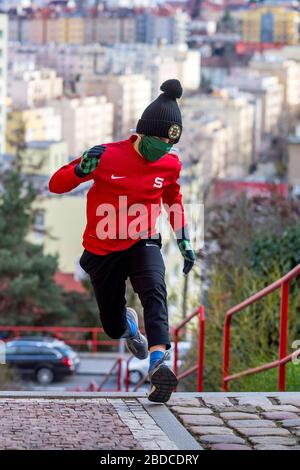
(42, 359)
(139, 368)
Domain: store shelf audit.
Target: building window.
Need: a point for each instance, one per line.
(39, 223)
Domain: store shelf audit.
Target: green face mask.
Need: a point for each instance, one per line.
(152, 148)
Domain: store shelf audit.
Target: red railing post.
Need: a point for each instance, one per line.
(284, 313)
(226, 353)
(176, 351)
(201, 348)
(58, 333)
(94, 340)
(119, 377)
(127, 378)
(200, 313)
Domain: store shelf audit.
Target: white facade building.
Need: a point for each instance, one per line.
(85, 121)
(84, 62)
(35, 88)
(130, 94)
(236, 112)
(267, 88)
(3, 79)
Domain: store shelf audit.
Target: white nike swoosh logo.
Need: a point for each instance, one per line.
(113, 177)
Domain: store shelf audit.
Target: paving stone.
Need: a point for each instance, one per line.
(257, 401)
(264, 432)
(201, 420)
(230, 447)
(276, 447)
(291, 408)
(217, 401)
(269, 440)
(210, 430)
(181, 401)
(221, 439)
(293, 399)
(279, 415)
(291, 423)
(251, 423)
(238, 415)
(235, 408)
(192, 410)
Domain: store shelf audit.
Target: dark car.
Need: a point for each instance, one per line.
(42, 359)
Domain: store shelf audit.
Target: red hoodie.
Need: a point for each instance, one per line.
(123, 179)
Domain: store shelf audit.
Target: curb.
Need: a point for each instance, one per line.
(169, 424)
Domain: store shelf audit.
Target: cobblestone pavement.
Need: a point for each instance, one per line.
(91, 423)
(241, 423)
(124, 422)
(63, 424)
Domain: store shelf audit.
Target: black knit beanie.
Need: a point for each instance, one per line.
(162, 118)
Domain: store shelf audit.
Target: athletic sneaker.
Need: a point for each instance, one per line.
(162, 380)
(137, 344)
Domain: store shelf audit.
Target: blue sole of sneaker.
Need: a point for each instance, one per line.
(163, 382)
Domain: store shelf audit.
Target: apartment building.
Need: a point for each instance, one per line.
(3, 79)
(287, 72)
(130, 94)
(266, 88)
(34, 88)
(271, 24)
(235, 111)
(86, 121)
(42, 123)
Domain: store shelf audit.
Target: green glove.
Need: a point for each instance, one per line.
(89, 161)
(188, 254)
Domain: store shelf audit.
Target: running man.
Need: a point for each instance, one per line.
(132, 178)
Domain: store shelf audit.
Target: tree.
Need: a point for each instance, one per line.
(28, 292)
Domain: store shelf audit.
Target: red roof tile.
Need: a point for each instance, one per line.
(67, 281)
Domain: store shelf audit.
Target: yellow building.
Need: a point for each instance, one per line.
(32, 124)
(76, 30)
(65, 30)
(271, 24)
(43, 157)
(59, 225)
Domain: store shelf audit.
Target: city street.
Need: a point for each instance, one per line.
(93, 368)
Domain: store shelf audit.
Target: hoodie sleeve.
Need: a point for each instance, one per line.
(65, 179)
(172, 201)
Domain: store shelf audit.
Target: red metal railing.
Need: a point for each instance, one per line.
(94, 387)
(63, 333)
(200, 312)
(127, 375)
(200, 364)
(116, 365)
(283, 359)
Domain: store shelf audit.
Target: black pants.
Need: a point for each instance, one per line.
(144, 265)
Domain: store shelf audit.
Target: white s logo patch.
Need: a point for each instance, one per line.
(158, 182)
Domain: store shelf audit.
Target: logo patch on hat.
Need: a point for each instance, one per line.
(174, 131)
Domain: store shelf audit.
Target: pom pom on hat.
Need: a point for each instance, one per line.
(172, 88)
